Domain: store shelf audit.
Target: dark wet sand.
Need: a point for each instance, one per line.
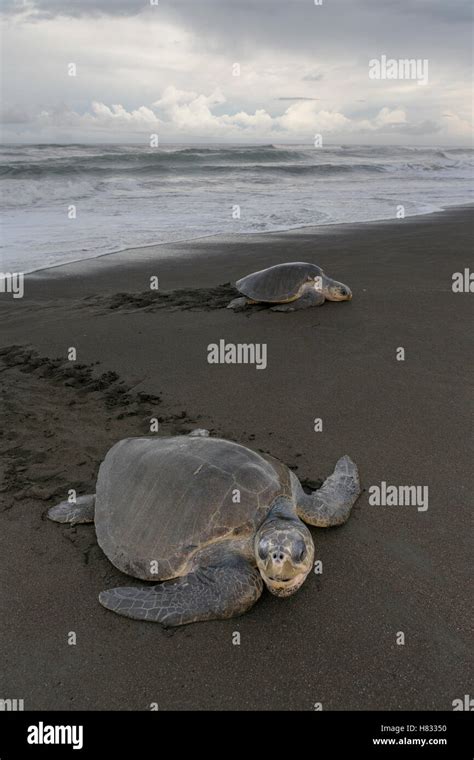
(389, 569)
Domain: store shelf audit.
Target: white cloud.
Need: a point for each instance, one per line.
(307, 116)
(456, 125)
(188, 110)
(118, 115)
(180, 115)
(387, 116)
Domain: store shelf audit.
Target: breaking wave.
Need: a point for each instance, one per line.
(134, 195)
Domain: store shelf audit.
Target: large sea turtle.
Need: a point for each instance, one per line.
(209, 518)
(292, 286)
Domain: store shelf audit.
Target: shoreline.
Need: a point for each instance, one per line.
(225, 237)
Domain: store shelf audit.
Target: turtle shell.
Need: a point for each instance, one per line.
(159, 500)
(278, 283)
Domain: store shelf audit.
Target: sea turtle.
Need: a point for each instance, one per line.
(211, 519)
(293, 286)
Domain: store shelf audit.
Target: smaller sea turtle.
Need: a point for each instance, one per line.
(211, 519)
(293, 286)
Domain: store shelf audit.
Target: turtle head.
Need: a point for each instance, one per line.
(332, 289)
(284, 551)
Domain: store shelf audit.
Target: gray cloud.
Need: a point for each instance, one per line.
(74, 8)
(454, 10)
(362, 29)
(313, 76)
(426, 127)
(14, 115)
(295, 97)
(129, 52)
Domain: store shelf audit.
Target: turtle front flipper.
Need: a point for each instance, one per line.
(213, 592)
(332, 503)
(79, 511)
(309, 299)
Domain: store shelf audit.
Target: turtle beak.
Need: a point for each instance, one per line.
(284, 586)
(347, 293)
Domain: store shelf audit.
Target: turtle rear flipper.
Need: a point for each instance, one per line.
(199, 433)
(209, 593)
(79, 511)
(239, 304)
(332, 503)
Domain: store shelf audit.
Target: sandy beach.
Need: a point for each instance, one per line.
(143, 354)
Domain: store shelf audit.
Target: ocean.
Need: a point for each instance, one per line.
(129, 195)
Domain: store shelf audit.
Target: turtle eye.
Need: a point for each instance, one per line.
(263, 549)
(299, 551)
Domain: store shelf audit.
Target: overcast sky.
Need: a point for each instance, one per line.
(168, 69)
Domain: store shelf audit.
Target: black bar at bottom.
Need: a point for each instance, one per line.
(323, 734)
